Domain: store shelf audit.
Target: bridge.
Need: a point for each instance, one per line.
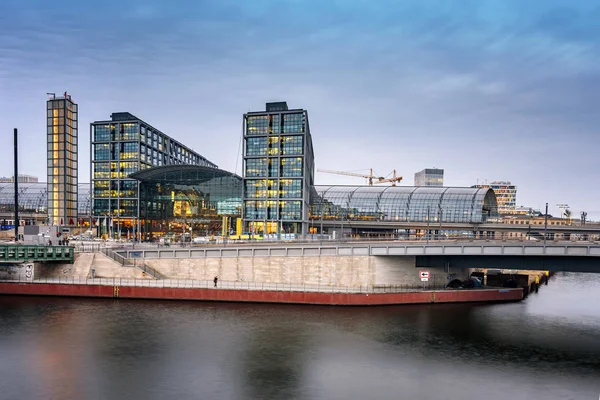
(16, 254)
(525, 255)
(589, 229)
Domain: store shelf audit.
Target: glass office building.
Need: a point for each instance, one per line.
(403, 204)
(61, 113)
(122, 146)
(278, 170)
(430, 177)
(506, 193)
(188, 201)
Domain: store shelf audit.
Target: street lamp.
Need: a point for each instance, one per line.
(427, 233)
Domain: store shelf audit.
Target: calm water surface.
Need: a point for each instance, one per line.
(547, 347)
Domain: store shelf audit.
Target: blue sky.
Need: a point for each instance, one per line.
(487, 90)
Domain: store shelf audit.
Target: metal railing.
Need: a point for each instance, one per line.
(236, 285)
(148, 269)
(33, 253)
(132, 263)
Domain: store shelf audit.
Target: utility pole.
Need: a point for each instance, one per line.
(545, 224)
(427, 237)
(16, 179)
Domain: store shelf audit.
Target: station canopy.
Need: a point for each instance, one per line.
(33, 197)
(403, 204)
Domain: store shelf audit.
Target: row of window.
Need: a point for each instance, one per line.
(115, 151)
(150, 139)
(534, 222)
(61, 134)
(68, 160)
(114, 170)
(115, 208)
(273, 124)
(106, 133)
(263, 167)
(281, 210)
(284, 145)
(60, 104)
(263, 188)
(115, 188)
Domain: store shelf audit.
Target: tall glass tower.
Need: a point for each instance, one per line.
(61, 113)
(278, 170)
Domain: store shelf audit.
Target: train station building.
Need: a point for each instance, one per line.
(145, 184)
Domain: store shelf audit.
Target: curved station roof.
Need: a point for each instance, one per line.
(403, 203)
(33, 197)
(181, 174)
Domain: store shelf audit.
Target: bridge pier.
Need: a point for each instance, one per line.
(24, 272)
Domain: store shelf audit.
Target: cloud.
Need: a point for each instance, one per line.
(498, 90)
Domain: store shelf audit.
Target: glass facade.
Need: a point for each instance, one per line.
(187, 200)
(506, 193)
(278, 170)
(120, 147)
(61, 113)
(430, 177)
(403, 204)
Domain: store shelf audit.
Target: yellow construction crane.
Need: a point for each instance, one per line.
(392, 180)
(370, 177)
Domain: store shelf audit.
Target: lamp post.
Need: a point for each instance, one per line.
(545, 224)
(427, 233)
(16, 182)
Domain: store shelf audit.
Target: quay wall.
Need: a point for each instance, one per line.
(260, 296)
(313, 270)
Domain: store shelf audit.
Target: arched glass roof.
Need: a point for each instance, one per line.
(181, 173)
(403, 203)
(33, 197)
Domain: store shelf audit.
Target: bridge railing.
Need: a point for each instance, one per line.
(33, 253)
(236, 285)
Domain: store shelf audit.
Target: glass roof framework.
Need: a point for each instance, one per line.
(33, 197)
(401, 203)
(192, 183)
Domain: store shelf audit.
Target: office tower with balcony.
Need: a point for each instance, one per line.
(119, 147)
(278, 171)
(61, 113)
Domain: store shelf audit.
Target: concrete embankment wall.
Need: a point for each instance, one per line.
(402, 270)
(104, 267)
(313, 270)
(260, 296)
(323, 270)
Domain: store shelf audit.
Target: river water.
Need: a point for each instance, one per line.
(547, 347)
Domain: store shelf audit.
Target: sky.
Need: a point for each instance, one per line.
(485, 89)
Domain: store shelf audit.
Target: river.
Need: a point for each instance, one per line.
(547, 347)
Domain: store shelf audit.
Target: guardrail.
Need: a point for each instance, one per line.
(132, 263)
(237, 285)
(34, 253)
(368, 249)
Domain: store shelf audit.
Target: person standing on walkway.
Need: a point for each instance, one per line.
(216, 280)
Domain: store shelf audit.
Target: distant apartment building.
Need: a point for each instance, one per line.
(22, 179)
(506, 194)
(62, 136)
(119, 147)
(278, 170)
(430, 177)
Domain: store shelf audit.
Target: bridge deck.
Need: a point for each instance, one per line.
(26, 253)
(475, 248)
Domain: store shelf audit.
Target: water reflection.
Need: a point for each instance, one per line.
(548, 346)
